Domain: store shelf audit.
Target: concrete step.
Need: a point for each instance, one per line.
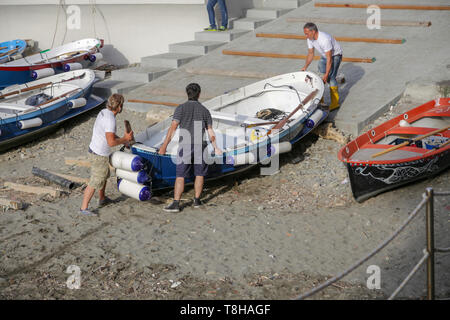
(167, 60)
(267, 13)
(285, 4)
(249, 23)
(222, 36)
(139, 74)
(106, 88)
(195, 47)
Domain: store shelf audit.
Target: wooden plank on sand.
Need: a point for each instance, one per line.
(13, 204)
(33, 189)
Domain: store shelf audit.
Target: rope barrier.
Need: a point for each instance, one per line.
(370, 255)
(413, 272)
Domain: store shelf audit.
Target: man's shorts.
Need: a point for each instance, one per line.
(99, 171)
(190, 161)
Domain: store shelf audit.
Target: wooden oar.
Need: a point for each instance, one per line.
(40, 86)
(58, 97)
(25, 90)
(128, 130)
(1, 48)
(408, 142)
(9, 52)
(69, 54)
(251, 125)
(281, 123)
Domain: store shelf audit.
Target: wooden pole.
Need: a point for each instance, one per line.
(381, 6)
(289, 56)
(282, 122)
(58, 97)
(343, 39)
(31, 189)
(169, 104)
(26, 89)
(13, 204)
(72, 178)
(385, 23)
(9, 52)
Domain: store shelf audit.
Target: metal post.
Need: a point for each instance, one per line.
(430, 243)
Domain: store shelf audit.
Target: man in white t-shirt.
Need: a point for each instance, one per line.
(103, 137)
(331, 57)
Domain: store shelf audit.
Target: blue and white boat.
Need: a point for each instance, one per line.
(8, 49)
(243, 126)
(29, 110)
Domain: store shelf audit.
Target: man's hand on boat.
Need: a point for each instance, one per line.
(162, 150)
(218, 152)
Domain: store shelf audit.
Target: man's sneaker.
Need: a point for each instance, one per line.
(173, 207)
(88, 212)
(210, 28)
(104, 202)
(197, 203)
(222, 28)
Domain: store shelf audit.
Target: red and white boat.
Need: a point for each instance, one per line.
(68, 57)
(412, 146)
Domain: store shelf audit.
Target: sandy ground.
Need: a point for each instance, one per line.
(257, 237)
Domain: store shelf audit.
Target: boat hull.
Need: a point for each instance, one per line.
(370, 180)
(58, 119)
(162, 168)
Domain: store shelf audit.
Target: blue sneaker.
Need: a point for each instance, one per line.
(88, 212)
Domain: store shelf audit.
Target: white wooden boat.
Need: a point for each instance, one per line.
(28, 110)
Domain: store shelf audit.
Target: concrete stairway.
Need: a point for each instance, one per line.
(151, 67)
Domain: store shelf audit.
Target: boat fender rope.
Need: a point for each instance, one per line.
(17, 120)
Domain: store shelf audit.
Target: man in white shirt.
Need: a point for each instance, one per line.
(103, 137)
(331, 57)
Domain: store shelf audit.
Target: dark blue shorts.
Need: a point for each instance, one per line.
(190, 163)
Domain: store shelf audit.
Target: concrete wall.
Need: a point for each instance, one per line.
(130, 31)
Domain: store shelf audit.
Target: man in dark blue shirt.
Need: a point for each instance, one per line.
(193, 119)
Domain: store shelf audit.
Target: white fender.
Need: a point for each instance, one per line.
(77, 103)
(138, 177)
(134, 190)
(279, 148)
(126, 161)
(42, 73)
(30, 123)
(96, 56)
(73, 66)
(314, 118)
